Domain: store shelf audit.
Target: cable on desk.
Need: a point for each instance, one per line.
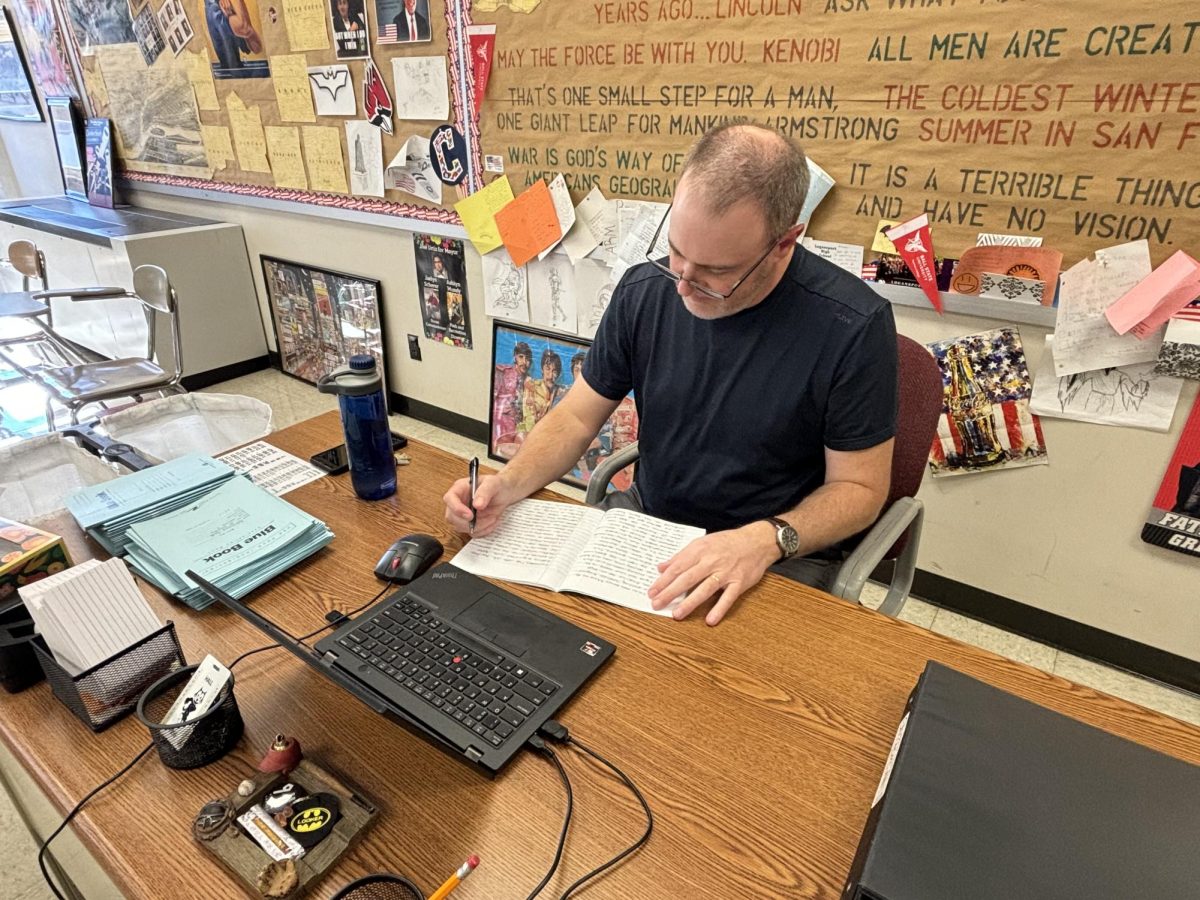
(556, 731)
(540, 746)
(41, 857)
(327, 625)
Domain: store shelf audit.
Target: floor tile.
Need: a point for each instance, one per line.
(1127, 686)
(997, 640)
(918, 612)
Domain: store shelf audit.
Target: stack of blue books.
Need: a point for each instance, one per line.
(193, 516)
(106, 511)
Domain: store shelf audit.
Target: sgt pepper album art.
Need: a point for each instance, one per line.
(1174, 520)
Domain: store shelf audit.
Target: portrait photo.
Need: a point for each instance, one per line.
(234, 29)
(348, 19)
(403, 21)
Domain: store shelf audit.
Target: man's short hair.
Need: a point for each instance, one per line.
(736, 162)
(522, 349)
(550, 358)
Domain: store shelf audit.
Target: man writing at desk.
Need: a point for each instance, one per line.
(765, 380)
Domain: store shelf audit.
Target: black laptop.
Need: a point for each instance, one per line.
(463, 663)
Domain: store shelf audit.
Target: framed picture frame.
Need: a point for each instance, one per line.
(67, 125)
(17, 99)
(532, 370)
(322, 318)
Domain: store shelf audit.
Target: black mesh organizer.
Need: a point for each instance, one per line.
(19, 667)
(109, 690)
(195, 742)
(380, 887)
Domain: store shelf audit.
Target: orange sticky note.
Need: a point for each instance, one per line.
(529, 224)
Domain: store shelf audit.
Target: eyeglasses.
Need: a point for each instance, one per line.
(676, 277)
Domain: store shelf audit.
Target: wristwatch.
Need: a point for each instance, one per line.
(786, 537)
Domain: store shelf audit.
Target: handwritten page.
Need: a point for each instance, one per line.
(529, 224)
(1133, 396)
(620, 560)
(600, 216)
(564, 210)
(199, 73)
(323, 153)
(594, 285)
(565, 547)
(533, 544)
(218, 146)
(248, 137)
(637, 220)
(820, 183)
(287, 162)
(306, 24)
(422, 91)
(1083, 338)
(289, 73)
(1153, 300)
(478, 214)
(844, 256)
(505, 289)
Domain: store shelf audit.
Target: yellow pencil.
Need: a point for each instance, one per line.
(456, 879)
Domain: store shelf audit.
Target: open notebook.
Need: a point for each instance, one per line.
(566, 547)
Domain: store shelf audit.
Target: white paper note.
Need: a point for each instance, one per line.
(505, 291)
(594, 285)
(563, 208)
(365, 148)
(846, 256)
(332, 90)
(421, 87)
(411, 171)
(552, 302)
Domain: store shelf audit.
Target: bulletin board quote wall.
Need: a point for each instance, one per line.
(1075, 122)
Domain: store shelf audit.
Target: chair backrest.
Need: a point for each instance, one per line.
(26, 258)
(920, 406)
(153, 289)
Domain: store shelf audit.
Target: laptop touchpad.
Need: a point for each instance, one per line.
(503, 623)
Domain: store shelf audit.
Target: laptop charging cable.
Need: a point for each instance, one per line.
(555, 732)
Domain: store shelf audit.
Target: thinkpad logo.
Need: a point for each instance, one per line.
(445, 574)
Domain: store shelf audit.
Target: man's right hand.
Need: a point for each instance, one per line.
(492, 497)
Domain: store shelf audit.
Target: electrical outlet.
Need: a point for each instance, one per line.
(414, 348)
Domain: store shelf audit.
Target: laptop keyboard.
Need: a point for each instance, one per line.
(489, 693)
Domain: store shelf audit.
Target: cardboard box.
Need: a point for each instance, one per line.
(27, 555)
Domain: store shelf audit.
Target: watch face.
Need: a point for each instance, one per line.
(790, 539)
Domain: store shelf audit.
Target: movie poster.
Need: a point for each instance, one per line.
(986, 422)
(442, 287)
(1174, 522)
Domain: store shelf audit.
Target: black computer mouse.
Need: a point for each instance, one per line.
(410, 556)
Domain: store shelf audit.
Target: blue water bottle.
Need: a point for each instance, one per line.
(359, 389)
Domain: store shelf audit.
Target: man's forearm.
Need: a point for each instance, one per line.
(550, 450)
(831, 513)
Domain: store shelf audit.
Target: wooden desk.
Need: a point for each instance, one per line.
(759, 743)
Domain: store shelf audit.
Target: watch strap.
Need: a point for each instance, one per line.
(781, 524)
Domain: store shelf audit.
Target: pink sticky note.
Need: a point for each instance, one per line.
(1157, 297)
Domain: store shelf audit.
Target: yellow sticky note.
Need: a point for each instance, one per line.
(218, 146)
(305, 21)
(287, 163)
(248, 138)
(323, 153)
(200, 75)
(289, 72)
(478, 213)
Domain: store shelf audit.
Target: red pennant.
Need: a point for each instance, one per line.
(915, 246)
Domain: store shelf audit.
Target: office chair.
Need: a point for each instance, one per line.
(896, 534)
(75, 386)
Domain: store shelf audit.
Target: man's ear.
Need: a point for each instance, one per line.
(792, 235)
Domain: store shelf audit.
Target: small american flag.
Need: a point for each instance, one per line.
(387, 34)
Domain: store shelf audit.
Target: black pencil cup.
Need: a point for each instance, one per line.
(380, 887)
(19, 667)
(195, 742)
(109, 691)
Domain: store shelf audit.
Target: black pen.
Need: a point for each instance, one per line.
(473, 474)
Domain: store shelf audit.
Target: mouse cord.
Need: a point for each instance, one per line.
(305, 637)
(539, 745)
(556, 731)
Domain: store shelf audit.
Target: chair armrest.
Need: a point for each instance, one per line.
(84, 293)
(906, 513)
(604, 473)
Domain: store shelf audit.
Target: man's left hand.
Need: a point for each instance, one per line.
(723, 565)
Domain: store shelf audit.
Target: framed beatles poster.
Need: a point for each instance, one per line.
(322, 318)
(532, 371)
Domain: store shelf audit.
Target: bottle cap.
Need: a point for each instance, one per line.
(362, 362)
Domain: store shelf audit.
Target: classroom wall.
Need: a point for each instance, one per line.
(1063, 538)
(29, 162)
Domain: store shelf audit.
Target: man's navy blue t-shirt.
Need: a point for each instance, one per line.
(734, 413)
